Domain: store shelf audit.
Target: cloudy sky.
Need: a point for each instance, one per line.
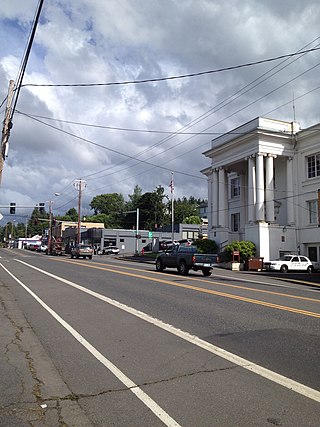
(117, 136)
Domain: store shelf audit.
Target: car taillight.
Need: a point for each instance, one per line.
(193, 259)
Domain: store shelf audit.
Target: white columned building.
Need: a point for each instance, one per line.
(260, 176)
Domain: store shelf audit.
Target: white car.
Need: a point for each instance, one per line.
(111, 250)
(290, 262)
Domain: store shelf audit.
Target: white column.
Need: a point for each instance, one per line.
(222, 198)
(269, 189)
(290, 212)
(260, 187)
(215, 198)
(209, 210)
(251, 189)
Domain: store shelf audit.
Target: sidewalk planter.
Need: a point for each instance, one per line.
(235, 266)
(255, 264)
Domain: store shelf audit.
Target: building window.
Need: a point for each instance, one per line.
(312, 206)
(313, 163)
(312, 253)
(235, 187)
(235, 222)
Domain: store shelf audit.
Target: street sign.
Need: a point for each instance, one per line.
(150, 234)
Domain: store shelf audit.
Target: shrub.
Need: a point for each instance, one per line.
(206, 246)
(246, 249)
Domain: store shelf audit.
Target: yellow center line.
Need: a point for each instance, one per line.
(196, 288)
(227, 285)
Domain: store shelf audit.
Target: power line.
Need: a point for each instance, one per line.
(110, 149)
(214, 109)
(182, 76)
(120, 128)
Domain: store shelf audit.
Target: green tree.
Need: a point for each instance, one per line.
(38, 222)
(108, 203)
(134, 198)
(185, 208)
(193, 219)
(72, 214)
(152, 210)
(106, 219)
(112, 204)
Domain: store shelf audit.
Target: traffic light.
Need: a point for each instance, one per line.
(12, 208)
(41, 207)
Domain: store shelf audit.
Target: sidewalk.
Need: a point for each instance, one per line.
(32, 393)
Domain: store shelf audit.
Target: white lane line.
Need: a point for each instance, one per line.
(144, 397)
(233, 358)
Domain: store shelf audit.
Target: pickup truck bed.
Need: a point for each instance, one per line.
(185, 258)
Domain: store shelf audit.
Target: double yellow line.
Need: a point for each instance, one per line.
(207, 291)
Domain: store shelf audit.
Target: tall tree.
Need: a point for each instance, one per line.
(134, 198)
(153, 209)
(185, 208)
(108, 203)
(112, 204)
(38, 222)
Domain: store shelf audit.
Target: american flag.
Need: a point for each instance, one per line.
(171, 184)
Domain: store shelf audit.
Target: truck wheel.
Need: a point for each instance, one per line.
(183, 269)
(206, 272)
(159, 265)
(90, 256)
(284, 268)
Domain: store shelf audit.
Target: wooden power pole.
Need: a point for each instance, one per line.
(7, 125)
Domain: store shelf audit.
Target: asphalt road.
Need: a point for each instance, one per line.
(112, 343)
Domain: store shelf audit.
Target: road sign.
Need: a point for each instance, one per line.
(1, 216)
(150, 234)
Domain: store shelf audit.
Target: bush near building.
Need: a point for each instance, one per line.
(206, 246)
(246, 249)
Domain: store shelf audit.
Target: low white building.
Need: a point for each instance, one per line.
(263, 186)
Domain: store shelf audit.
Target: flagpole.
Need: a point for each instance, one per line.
(172, 208)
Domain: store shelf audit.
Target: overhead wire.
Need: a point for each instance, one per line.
(139, 161)
(181, 76)
(301, 52)
(222, 104)
(131, 157)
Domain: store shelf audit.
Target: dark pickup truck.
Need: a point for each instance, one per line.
(185, 258)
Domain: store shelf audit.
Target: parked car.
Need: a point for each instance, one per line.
(111, 250)
(42, 248)
(82, 251)
(289, 263)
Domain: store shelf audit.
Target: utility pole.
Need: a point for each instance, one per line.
(137, 240)
(79, 185)
(50, 228)
(7, 125)
(172, 207)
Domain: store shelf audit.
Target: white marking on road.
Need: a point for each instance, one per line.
(144, 397)
(218, 351)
